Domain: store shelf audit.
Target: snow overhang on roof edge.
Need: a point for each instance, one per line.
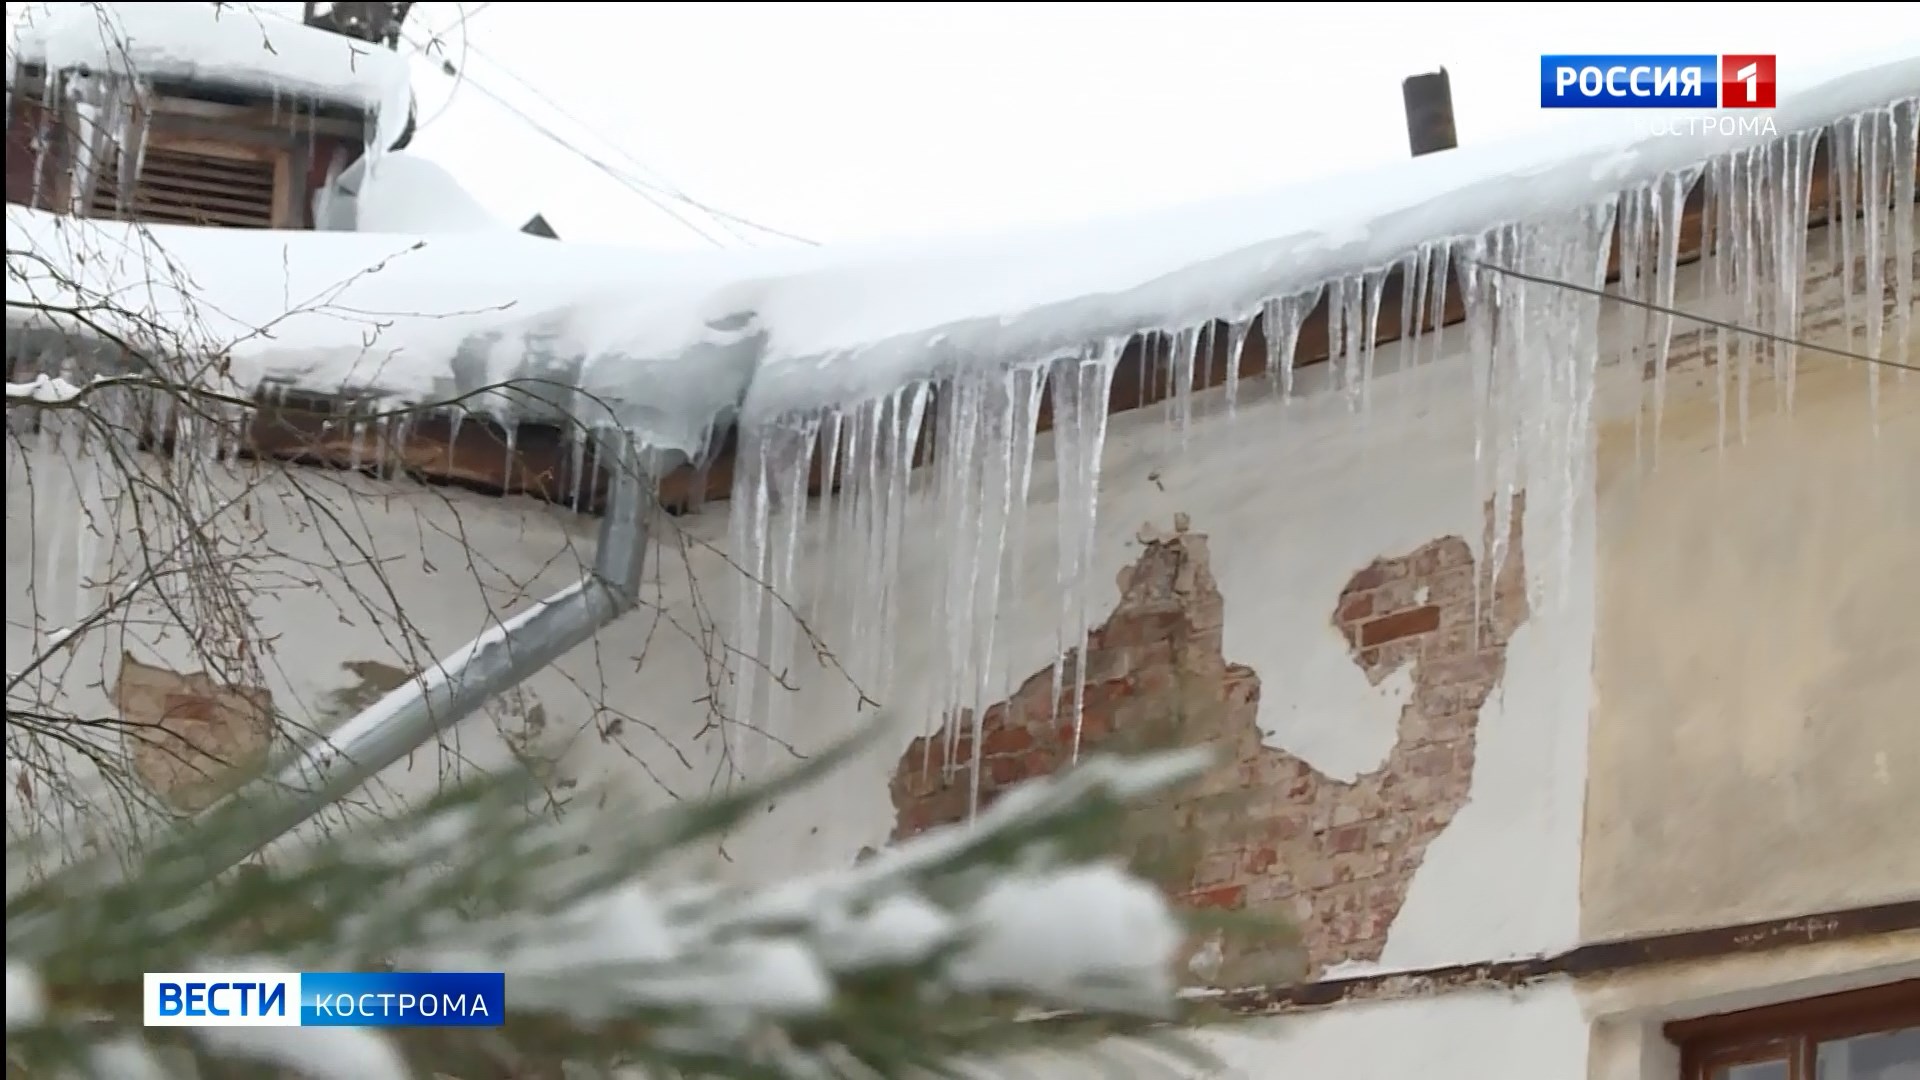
(1305, 237)
(673, 346)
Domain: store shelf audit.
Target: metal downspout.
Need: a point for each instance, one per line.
(454, 687)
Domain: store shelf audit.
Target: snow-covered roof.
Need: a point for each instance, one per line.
(799, 330)
(414, 318)
(206, 44)
(406, 193)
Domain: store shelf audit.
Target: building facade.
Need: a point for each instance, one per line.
(1606, 774)
(1524, 804)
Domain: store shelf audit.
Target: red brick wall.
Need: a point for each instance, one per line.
(1263, 832)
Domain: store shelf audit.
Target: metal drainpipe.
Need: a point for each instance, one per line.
(456, 686)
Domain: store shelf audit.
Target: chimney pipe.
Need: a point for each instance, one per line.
(1429, 99)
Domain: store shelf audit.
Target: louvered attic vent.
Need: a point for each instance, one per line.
(182, 187)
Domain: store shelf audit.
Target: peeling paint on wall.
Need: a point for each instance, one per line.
(188, 738)
(1263, 832)
(372, 680)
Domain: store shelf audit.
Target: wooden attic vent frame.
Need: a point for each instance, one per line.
(193, 181)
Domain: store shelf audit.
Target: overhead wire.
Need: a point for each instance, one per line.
(587, 156)
(458, 74)
(665, 185)
(1706, 320)
(653, 192)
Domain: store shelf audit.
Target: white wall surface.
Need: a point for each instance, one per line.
(1296, 497)
(1537, 1033)
(1533, 1034)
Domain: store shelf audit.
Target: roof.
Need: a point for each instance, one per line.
(778, 332)
(225, 46)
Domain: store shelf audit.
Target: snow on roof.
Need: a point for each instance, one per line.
(406, 193)
(864, 328)
(809, 329)
(215, 45)
(405, 317)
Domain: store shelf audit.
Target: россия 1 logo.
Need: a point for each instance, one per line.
(1652, 81)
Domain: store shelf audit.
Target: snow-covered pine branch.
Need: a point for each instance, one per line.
(930, 953)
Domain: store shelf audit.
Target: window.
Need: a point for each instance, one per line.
(1869, 1034)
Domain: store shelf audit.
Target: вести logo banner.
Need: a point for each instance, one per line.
(325, 999)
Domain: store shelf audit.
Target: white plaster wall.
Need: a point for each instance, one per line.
(1533, 1034)
(1295, 498)
(1538, 1033)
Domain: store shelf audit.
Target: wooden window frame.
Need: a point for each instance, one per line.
(1792, 1031)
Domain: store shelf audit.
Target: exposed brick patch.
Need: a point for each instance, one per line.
(1263, 832)
(189, 738)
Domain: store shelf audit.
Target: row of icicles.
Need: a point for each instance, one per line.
(1533, 348)
(1534, 351)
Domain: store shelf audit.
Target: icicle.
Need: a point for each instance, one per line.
(1787, 204)
(1541, 347)
(1905, 150)
(1015, 419)
(1875, 135)
(88, 140)
(955, 493)
(906, 412)
(1636, 214)
(748, 528)
(1030, 387)
(786, 468)
(1515, 336)
(1763, 206)
(870, 523)
(1080, 389)
(1207, 358)
(1280, 321)
(1843, 154)
(1186, 344)
(830, 497)
(1670, 204)
(132, 124)
(1480, 295)
(453, 433)
(1373, 286)
(1353, 300)
(577, 461)
(1480, 298)
(1720, 260)
(1741, 258)
(1441, 258)
(42, 146)
(1151, 362)
(854, 467)
(1237, 332)
(1413, 283)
